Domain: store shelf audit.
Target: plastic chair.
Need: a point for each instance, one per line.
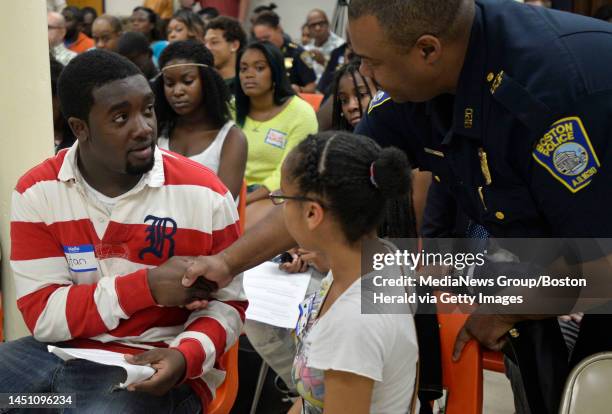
(493, 361)
(314, 99)
(462, 379)
(587, 389)
(227, 392)
(242, 206)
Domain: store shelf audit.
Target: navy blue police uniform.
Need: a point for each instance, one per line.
(298, 64)
(525, 148)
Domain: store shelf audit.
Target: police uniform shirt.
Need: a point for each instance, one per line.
(524, 145)
(336, 60)
(298, 64)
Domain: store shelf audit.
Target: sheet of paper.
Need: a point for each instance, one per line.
(135, 373)
(274, 296)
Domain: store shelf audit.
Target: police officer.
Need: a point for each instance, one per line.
(510, 107)
(298, 62)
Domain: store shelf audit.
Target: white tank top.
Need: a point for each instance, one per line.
(211, 156)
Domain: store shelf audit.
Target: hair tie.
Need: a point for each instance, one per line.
(372, 179)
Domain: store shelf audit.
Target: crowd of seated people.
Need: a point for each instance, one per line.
(234, 106)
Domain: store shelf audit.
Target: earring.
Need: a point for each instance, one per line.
(342, 114)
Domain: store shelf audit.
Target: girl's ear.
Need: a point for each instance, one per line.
(314, 214)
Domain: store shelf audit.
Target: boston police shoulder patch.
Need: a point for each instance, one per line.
(380, 98)
(566, 152)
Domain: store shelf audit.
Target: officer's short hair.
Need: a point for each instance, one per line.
(404, 21)
(232, 29)
(86, 72)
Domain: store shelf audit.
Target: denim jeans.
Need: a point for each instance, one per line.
(27, 367)
(276, 346)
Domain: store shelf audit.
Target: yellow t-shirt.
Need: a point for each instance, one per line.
(271, 141)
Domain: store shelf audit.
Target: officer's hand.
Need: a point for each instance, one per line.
(489, 330)
(165, 283)
(169, 365)
(318, 56)
(211, 268)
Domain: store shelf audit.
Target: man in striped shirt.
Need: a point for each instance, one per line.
(101, 236)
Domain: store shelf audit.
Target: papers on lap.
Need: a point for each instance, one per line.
(274, 295)
(135, 373)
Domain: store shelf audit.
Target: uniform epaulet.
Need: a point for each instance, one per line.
(380, 98)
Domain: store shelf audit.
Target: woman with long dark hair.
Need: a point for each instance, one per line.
(192, 105)
(273, 119)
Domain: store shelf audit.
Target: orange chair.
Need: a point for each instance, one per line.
(314, 99)
(242, 206)
(462, 379)
(227, 392)
(493, 361)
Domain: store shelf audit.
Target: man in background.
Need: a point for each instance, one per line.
(323, 42)
(56, 31)
(135, 47)
(75, 39)
(224, 37)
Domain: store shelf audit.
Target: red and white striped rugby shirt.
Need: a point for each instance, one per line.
(81, 271)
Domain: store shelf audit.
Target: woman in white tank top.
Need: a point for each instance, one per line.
(192, 105)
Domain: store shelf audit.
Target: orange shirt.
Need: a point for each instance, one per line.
(162, 7)
(82, 44)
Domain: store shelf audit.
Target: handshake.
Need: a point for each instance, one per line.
(183, 281)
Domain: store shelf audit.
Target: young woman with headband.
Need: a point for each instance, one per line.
(193, 112)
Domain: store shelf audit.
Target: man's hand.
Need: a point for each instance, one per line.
(318, 56)
(169, 365)
(166, 286)
(212, 268)
(488, 330)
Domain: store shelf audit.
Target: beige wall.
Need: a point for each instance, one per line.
(26, 136)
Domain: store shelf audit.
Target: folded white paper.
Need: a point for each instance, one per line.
(135, 373)
(274, 295)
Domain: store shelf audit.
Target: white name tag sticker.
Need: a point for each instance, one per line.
(81, 258)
